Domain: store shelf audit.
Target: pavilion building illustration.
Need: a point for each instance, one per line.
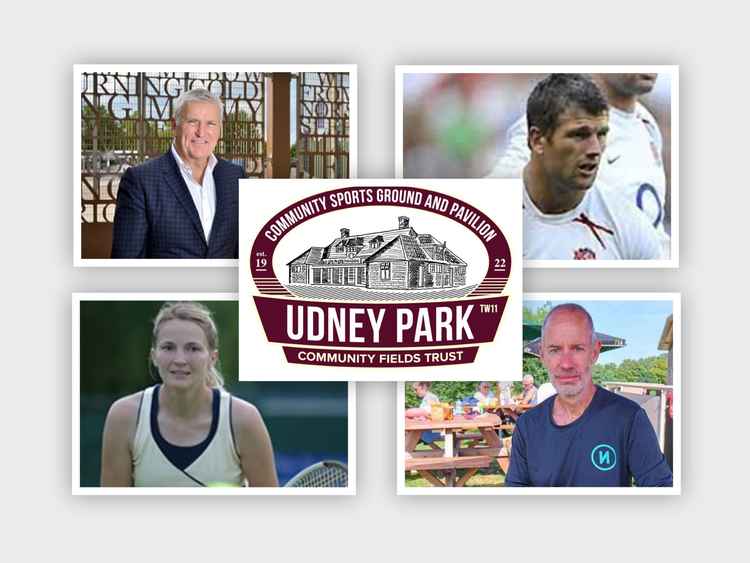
(396, 259)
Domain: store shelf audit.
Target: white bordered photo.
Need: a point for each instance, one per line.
(379, 280)
(157, 406)
(158, 150)
(600, 161)
(461, 437)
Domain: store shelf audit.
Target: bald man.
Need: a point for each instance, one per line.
(584, 436)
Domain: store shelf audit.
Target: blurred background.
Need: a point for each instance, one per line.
(454, 125)
(307, 421)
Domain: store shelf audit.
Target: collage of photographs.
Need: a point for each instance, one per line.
(501, 172)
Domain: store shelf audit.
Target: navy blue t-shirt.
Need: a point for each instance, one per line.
(608, 444)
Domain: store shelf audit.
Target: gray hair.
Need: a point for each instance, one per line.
(195, 95)
(571, 308)
(528, 377)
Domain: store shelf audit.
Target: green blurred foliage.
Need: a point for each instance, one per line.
(240, 134)
(122, 134)
(536, 316)
(463, 136)
(116, 340)
(446, 391)
(643, 370)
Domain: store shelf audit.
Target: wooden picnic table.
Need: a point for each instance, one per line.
(511, 409)
(484, 445)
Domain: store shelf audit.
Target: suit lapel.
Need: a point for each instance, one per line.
(220, 217)
(177, 184)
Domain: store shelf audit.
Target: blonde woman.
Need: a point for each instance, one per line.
(187, 430)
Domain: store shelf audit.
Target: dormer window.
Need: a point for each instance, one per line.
(376, 242)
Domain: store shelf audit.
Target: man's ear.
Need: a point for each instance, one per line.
(536, 140)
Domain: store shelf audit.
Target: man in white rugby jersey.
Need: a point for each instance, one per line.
(632, 165)
(566, 215)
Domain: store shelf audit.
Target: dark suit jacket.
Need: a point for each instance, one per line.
(155, 216)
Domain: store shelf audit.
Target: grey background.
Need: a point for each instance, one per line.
(41, 517)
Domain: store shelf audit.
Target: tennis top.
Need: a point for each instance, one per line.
(214, 461)
(608, 444)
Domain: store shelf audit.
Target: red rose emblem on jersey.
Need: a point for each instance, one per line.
(584, 254)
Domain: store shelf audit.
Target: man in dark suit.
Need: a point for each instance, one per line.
(182, 204)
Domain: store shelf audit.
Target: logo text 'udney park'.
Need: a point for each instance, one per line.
(400, 296)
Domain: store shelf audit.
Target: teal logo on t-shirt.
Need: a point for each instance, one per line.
(604, 457)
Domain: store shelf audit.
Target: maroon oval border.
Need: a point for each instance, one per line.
(497, 249)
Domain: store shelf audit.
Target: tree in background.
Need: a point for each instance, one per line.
(241, 135)
(446, 391)
(536, 316)
(643, 370)
(108, 130)
(115, 340)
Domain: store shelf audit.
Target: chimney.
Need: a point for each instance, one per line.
(344, 233)
(403, 222)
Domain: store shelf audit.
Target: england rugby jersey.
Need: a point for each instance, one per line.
(631, 163)
(602, 227)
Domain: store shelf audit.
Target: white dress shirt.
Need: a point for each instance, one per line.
(204, 195)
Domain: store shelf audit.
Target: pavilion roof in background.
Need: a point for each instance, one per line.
(531, 348)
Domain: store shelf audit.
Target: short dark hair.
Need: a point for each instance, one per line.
(558, 92)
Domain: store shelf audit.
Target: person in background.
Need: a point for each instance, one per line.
(528, 397)
(424, 410)
(504, 393)
(484, 392)
(427, 399)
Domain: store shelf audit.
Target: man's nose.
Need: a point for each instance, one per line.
(566, 360)
(595, 146)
